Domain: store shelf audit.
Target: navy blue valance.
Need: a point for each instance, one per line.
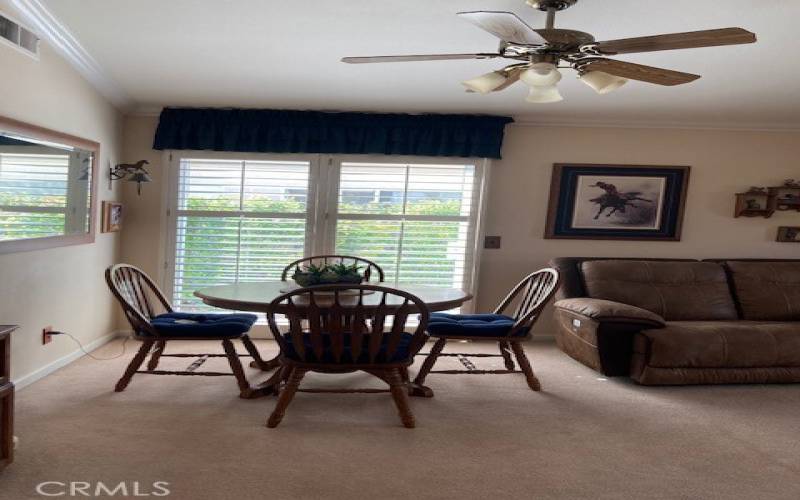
(277, 131)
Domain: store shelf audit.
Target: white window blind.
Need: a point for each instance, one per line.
(237, 221)
(33, 195)
(414, 220)
(245, 220)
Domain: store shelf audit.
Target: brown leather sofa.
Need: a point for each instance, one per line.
(667, 322)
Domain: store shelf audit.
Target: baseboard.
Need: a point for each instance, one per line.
(63, 361)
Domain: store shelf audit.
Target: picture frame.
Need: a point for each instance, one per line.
(789, 234)
(617, 202)
(112, 217)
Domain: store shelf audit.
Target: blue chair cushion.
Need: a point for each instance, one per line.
(472, 325)
(176, 324)
(401, 353)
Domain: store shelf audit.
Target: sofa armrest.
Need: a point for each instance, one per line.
(609, 311)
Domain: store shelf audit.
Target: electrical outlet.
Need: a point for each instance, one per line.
(46, 336)
(491, 242)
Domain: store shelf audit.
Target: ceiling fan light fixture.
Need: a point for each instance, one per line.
(541, 75)
(486, 83)
(602, 82)
(542, 78)
(544, 95)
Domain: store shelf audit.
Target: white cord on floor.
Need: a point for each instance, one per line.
(124, 347)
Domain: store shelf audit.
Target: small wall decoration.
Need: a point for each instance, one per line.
(112, 216)
(787, 197)
(789, 234)
(617, 202)
(755, 202)
(753, 205)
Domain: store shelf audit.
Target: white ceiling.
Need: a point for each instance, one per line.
(285, 54)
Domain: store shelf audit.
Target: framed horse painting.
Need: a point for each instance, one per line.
(617, 202)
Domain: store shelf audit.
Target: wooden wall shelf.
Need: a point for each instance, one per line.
(764, 202)
(753, 204)
(785, 198)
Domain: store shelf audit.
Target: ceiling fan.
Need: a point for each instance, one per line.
(540, 51)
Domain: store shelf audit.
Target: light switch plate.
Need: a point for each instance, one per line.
(491, 242)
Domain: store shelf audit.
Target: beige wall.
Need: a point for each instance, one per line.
(142, 238)
(723, 162)
(62, 287)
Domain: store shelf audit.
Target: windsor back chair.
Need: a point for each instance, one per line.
(344, 334)
(530, 296)
(154, 323)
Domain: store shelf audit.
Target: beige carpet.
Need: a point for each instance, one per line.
(481, 437)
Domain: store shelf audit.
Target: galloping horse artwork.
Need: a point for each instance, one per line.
(613, 199)
(616, 202)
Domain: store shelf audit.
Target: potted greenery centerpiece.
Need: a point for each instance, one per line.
(312, 274)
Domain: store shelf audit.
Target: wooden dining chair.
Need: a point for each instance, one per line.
(530, 297)
(154, 323)
(371, 269)
(345, 335)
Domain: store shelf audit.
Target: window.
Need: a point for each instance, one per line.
(415, 221)
(244, 219)
(237, 220)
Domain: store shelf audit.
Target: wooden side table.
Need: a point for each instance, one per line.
(6, 398)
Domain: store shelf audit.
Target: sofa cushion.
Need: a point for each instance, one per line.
(177, 324)
(767, 291)
(472, 325)
(676, 291)
(720, 344)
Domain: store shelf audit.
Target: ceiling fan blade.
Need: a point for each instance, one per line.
(504, 25)
(691, 40)
(411, 58)
(639, 72)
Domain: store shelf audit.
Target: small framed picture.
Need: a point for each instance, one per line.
(617, 202)
(789, 234)
(112, 216)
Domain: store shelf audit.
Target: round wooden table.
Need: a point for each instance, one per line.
(257, 297)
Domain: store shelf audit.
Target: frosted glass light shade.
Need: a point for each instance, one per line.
(601, 82)
(541, 75)
(544, 95)
(486, 83)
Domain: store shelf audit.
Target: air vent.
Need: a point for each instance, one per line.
(19, 37)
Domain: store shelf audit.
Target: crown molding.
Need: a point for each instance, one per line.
(633, 124)
(50, 29)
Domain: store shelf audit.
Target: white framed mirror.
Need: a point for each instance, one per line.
(48, 186)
